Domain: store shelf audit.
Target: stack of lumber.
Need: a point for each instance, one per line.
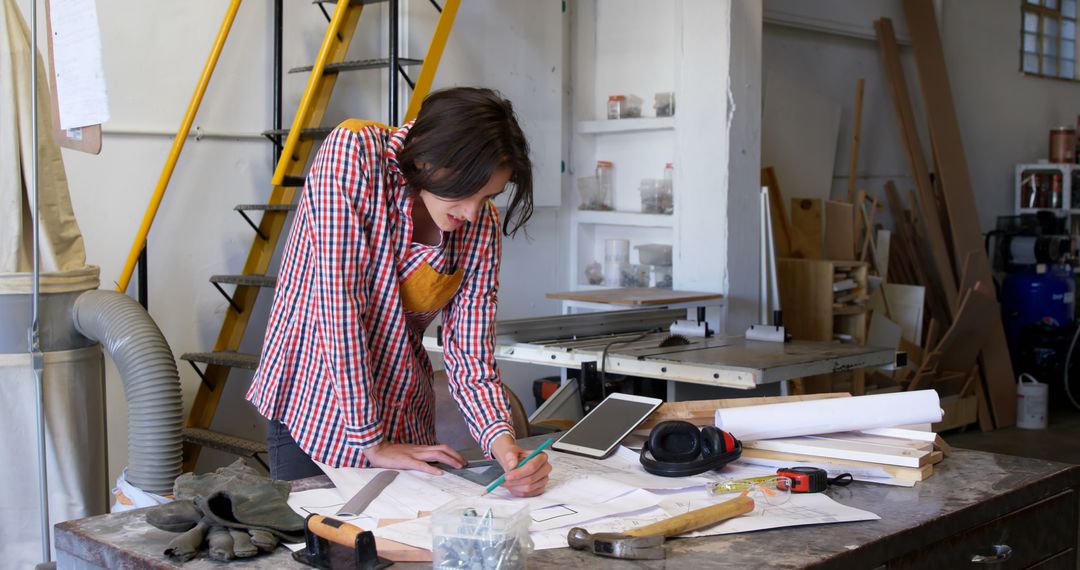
(906, 455)
(931, 289)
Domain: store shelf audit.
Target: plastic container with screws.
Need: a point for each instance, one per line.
(481, 533)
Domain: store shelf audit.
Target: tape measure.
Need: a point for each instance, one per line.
(812, 479)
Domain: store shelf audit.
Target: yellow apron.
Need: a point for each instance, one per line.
(427, 290)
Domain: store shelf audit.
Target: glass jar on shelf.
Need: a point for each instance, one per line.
(605, 180)
(615, 105)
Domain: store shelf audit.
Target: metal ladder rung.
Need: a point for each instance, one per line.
(227, 443)
(293, 181)
(248, 280)
(266, 207)
(353, 2)
(356, 64)
(228, 358)
(312, 133)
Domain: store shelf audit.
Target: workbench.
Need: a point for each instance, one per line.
(974, 500)
(632, 343)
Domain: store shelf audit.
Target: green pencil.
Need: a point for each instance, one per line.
(495, 484)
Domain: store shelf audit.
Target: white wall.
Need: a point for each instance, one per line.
(1004, 116)
(831, 64)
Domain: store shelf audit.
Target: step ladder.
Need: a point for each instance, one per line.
(213, 367)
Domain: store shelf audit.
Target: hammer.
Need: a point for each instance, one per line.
(647, 542)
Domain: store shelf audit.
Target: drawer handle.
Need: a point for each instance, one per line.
(1002, 552)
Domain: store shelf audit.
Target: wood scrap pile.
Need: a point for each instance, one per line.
(931, 290)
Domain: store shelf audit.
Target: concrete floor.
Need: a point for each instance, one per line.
(1060, 441)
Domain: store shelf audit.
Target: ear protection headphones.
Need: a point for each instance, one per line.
(680, 449)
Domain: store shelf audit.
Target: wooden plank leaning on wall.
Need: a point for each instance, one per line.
(952, 170)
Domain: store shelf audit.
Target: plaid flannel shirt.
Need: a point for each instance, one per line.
(343, 363)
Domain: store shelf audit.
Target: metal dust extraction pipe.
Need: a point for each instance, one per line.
(151, 383)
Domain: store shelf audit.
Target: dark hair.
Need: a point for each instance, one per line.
(471, 132)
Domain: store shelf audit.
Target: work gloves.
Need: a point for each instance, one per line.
(235, 510)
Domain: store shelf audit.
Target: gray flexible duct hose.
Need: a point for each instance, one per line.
(151, 384)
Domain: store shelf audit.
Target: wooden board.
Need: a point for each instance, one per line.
(902, 473)
(839, 231)
(952, 170)
(894, 71)
(806, 228)
(968, 335)
(856, 136)
(906, 303)
(644, 296)
(806, 296)
(703, 412)
(959, 412)
(881, 261)
(777, 213)
(399, 552)
(846, 450)
(799, 132)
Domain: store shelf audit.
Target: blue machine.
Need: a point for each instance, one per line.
(1036, 295)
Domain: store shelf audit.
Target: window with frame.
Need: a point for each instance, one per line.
(1048, 38)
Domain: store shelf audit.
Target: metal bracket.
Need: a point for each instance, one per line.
(227, 297)
(254, 226)
(202, 376)
(276, 140)
(405, 76)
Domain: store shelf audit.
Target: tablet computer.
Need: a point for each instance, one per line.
(597, 434)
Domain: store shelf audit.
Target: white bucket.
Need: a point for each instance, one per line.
(1031, 403)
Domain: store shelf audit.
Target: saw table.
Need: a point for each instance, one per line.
(632, 341)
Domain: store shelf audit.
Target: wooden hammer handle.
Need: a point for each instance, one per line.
(696, 519)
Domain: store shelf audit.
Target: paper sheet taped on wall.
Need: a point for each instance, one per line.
(79, 73)
(831, 415)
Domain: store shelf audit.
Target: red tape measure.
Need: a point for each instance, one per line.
(812, 479)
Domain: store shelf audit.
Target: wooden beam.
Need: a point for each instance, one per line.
(777, 213)
(959, 198)
(856, 136)
(894, 71)
(806, 228)
(839, 231)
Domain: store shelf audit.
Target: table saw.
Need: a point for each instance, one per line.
(633, 343)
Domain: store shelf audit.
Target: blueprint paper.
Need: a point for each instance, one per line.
(792, 419)
(802, 509)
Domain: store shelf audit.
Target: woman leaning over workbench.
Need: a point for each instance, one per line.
(393, 227)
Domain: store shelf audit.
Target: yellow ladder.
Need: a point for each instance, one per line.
(288, 176)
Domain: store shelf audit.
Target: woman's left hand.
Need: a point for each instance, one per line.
(528, 480)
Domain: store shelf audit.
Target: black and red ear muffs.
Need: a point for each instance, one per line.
(680, 449)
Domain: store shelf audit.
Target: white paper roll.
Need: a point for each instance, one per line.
(831, 415)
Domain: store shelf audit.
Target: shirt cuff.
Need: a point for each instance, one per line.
(492, 431)
(364, 437)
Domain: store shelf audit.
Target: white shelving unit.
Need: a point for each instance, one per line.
(625, 125)
(607, 61)
(1026, 202)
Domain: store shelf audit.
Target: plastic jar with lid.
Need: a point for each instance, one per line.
(605, 178)
(615, 106)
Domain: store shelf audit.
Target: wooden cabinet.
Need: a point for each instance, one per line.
(1043, 535)
(824, 300)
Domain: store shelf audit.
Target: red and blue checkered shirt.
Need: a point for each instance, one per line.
(343, 363)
